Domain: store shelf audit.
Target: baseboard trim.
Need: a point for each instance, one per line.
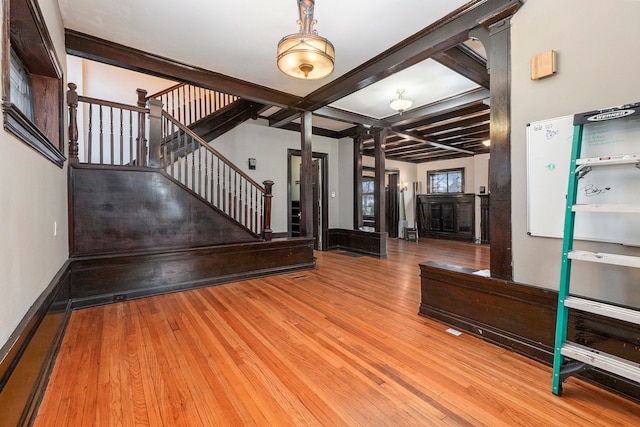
(29, 354)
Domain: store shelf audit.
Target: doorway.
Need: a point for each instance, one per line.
(319, 196)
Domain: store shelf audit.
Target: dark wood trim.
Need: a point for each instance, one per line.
(457, 60)
(105, 51)
(295, 127)
(16, 123)
(521, 318)
(500, 150)
(98, 280)
(324, 158)
(347, 116)
(306, 173)
(368, 243)
(357, 182)
(120, 209)
(379, 138)
(25, 31)
(28, 356)
(441, 35)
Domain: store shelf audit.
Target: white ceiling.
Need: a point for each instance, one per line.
(239, 39)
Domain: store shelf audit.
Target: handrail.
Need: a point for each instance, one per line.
(213, 151)
(113, 133)
(97, 101)
(190, 104)
(166, 91)
(109, 133)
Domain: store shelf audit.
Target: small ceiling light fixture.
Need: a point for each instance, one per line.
(400, 103)
(486, 142)
(306, 55)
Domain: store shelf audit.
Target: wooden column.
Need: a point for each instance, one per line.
(306, 178)
(267, 233)
(72, 102)
(500, 161)
(379, 138)
(155, 133)
(357, 182)
(141, 152)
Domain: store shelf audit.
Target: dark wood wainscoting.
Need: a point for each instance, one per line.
(522, 319)
(27, 358)
(104, 279)
(366, 242)
(120, 209)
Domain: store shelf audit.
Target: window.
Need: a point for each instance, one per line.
(21, 86)
(33, 98)
(446, 181)
(368, 198)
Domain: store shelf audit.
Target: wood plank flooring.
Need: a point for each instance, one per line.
(339, 345)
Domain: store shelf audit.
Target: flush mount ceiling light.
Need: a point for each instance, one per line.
(400, 103)
(306, 55)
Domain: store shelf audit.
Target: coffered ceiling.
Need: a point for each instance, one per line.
(235, 43)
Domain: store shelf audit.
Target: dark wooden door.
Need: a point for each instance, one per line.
(392, 206)
(317, 203)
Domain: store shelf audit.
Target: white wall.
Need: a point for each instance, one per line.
(33, 196)
(406, 174)
(597, 45)
(103, 81)
(269, 147)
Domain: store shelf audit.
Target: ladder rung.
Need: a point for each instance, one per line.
(609, 160)
(608, 310)
(608, 362)
(617, 208)
(603, 258)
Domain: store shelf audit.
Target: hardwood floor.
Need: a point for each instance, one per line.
(339, 345)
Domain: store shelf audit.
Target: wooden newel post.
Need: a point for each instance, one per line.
(141, 140)
(268, 195)
(155, 133)
(72, 102)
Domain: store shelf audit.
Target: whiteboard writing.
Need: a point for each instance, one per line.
(548, 157)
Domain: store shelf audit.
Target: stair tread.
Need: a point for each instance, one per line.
(598, 359)
(605, 258)
(603, 309)
(606, 207)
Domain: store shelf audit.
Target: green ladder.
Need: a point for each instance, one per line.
(582, 357)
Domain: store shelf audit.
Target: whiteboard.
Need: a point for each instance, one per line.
(548, 157)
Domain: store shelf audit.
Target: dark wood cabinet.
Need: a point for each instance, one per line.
(447, 216)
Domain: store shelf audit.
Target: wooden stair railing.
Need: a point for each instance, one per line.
(121, 137)
(189, 104)
(117, 136)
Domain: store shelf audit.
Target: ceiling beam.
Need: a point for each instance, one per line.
(453, 104)
(462, 123)
(413, 137)
(349, 117)
(457, 60)
(442, 35)
(96, 49)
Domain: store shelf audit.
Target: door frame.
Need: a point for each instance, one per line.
(324, 193)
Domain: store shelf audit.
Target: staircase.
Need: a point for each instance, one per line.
(169, 141)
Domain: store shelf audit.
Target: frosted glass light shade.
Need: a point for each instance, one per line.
(306, 56)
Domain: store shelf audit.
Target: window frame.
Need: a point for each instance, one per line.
(431, 173)
(25, 32)
(368, 179)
